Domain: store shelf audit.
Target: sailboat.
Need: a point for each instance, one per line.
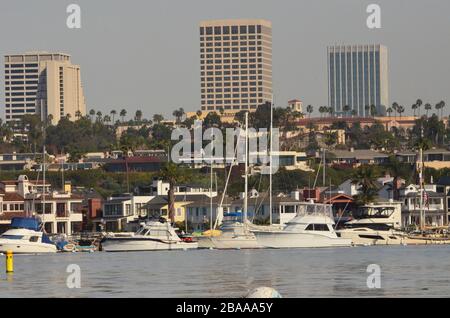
(234, 230)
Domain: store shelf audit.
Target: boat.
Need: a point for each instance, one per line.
(234, 231)
(313, 226)
(26, 237)
(234, 234)
(376, 224)
(154, 235)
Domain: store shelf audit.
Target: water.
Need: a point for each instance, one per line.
(405, 272)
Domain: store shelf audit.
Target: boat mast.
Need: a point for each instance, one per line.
(210, 187)
(270, 163)
(244, 214)
(422, 212)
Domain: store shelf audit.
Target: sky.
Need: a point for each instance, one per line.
(144, 54)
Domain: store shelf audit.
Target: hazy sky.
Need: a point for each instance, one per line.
(145, 54)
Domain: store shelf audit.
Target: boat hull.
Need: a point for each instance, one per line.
(373, 238)
(138, 245)
(223, 243)
(25, 247)
(298, 240)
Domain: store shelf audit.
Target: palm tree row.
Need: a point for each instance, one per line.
(416, 108)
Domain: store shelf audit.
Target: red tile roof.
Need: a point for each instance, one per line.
(12, 196)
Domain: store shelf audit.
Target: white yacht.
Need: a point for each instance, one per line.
(26, 237)
(376, 224)
(152, 236)
(312, 227)
(234, 234)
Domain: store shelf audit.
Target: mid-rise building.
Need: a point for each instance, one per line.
(235, 64)
(42, 83)
(358, 78)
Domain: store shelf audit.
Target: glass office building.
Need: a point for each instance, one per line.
(358, 78)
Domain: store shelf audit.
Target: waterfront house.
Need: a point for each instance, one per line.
(120, 210)
(433, 206)
(443, 186)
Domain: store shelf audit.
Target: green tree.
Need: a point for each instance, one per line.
(365, 178)
(173, 174)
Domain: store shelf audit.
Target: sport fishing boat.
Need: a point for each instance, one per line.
(156, 235)
(313, 226)
(26, 237)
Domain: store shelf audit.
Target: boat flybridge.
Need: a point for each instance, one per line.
(26, 237)
(313, 226)
(154, 235)
(376, 224)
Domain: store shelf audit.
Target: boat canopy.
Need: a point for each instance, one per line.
(25, 223)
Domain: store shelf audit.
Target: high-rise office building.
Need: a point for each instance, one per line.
(42, 83)
(235, 64)
(358, 78)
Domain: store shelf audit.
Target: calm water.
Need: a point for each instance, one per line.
(406, 271)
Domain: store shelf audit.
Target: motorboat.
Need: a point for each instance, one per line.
(26, 237)
(234, 234)
(154, 235)
(313, 226)
(376, 224)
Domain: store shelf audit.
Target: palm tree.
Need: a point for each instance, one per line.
(419, 104)
(346, 109)
(113, 114)
(365, 177)
(395, 108)
(173, 174)
(78, 114)
(99, 116)
(138, 116)
(309, 110)
(122, 114)
(92, 114)
(330, 111)
(107, 119)
(354, 112)
(428, 107)
(414, 107)
(440, 106)
(389, 111)
(400, 110)
(322, 110)
(157, 118)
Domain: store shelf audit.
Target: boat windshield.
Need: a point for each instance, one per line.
(315, 209)
(12, 237)
(374, 212)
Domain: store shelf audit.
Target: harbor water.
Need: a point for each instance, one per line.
(406, 271)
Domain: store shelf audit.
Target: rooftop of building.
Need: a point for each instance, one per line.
(230, 22)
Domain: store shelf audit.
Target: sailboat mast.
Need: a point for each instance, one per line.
(270, 163)
(422, 214)
(244, 214)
